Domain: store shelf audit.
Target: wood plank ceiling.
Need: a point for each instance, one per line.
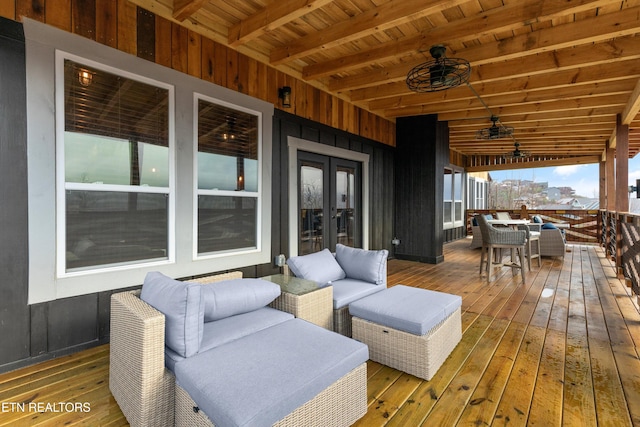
(559, 72)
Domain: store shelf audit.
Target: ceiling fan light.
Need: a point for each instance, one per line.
(495, 132)
(440, 73)
(516, 153)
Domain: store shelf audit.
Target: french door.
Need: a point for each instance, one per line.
(329, 202)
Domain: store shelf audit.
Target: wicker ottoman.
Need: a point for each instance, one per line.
(410, 329)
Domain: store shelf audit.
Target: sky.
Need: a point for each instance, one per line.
(582, 178)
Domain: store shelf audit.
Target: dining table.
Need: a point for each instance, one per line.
(514, 223)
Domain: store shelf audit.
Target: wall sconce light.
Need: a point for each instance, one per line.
(284, 93)
(85, 77)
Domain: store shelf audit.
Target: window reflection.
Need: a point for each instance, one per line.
(116, 133)
(227, 161)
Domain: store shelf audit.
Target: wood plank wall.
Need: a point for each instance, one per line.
(124, 26)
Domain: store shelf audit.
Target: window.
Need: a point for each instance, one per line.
(124, 195)
(228, 184)
(114, 170)
(453, 208)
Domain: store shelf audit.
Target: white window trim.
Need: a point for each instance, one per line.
(62, 185)
(225, 193)
(44, 281)
(297, 144)
(455, 223)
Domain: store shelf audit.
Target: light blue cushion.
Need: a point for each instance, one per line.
(236, 296)
(183, 308)
(232, 328)
(360, 264)
(261, 378)
(348, 290)
(548, 226)
(406, 308)
(321, 267)
(536, 219)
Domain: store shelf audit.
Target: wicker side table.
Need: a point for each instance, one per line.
(304, 299)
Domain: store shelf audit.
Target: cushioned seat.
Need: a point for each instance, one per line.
(258, 380)
(346, 291)
(408, 309)
(354, 273)
(232, 328)
(410, 329)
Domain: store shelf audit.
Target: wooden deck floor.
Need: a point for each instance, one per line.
(562, 349)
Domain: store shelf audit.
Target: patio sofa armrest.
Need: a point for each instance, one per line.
(138, 379)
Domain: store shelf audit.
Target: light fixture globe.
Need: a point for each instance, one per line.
(440, 73)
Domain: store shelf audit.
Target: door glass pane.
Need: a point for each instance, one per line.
(345, 205)
(311, 200)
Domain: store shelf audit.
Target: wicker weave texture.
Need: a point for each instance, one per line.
(419, 355)
(476, 242)
(552, 242)
(342, 321)
(340, 404)
(138, 380)
(217, 277)
(315, 307)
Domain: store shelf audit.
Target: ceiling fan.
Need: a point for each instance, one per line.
(496, 131)
(517, 153)
(440, 73)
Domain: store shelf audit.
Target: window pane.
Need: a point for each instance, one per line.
(447, 211)
(110, 105)
(109, 228)
(227, 148)
(457, 186)
(226, 223)
(98, 159)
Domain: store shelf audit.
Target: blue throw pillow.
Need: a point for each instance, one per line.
(183, 309)
(548, 226)
(230, 297)
(474, 221)
(360, 264)
(537, 219)
(321, 267)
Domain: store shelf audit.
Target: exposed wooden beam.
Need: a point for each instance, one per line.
(632, 108)
(182, 9)
(372, 21)
(512, 83)
(540, 43)
(550, 106)
(507, 97)
(274, 15)
(582, 160)
(509, 17)
(593, 111)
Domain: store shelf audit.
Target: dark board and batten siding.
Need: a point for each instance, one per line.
(381, 176)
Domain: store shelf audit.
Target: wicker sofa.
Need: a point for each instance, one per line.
(311, 377)
(354, 274)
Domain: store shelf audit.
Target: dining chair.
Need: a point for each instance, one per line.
(503, 216)
(533, 239)
(501, 238)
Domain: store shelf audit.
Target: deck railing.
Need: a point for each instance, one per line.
(617, 233)
(583, 225)
(621, 239)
